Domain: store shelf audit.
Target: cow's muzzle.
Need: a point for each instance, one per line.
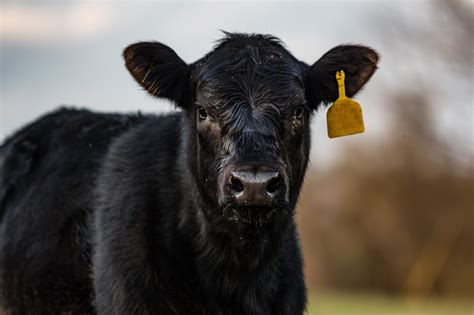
(254, 185)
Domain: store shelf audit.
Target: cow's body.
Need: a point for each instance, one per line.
(49, 259)
(184, 213)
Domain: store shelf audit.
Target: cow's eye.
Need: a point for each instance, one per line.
(299, 112)
(202, 113)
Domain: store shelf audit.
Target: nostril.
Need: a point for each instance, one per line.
(273, 185)
(236, 185)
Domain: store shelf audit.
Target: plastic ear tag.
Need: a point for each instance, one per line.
(344, 117)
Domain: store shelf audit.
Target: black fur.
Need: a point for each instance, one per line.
(115, 214)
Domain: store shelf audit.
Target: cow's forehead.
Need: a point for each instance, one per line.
(263, 57)
(257, 74)
(257, 92)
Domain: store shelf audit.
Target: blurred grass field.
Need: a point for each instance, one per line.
(359, 304)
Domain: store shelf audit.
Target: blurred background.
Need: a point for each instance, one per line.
(387, 217)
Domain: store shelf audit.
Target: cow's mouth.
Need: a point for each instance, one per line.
(254, 215)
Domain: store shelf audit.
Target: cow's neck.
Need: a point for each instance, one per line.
(228, 271)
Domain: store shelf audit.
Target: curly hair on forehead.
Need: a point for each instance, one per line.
(237, 40)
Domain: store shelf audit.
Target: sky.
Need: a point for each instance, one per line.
(57, 53)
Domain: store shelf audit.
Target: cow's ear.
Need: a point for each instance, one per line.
(158, 69)
(358, 63)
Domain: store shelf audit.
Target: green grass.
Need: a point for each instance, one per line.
(350, 304)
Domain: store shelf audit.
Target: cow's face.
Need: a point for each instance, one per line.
(248, 106)
(252, 129)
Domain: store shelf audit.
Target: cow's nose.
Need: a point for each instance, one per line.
(257, 189)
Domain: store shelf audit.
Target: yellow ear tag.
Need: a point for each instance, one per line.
(344, 117)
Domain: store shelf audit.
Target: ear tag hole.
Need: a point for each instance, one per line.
(344, 117)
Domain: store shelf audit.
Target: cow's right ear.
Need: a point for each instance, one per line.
(158, 69)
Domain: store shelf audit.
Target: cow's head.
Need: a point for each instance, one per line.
(248, 105)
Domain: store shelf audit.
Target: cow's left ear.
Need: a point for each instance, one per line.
(158, 69)
(358, 63)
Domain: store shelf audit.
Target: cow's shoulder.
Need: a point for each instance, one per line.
(146, 157)
(157, 139)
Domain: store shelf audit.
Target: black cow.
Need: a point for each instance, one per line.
(185, 213)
